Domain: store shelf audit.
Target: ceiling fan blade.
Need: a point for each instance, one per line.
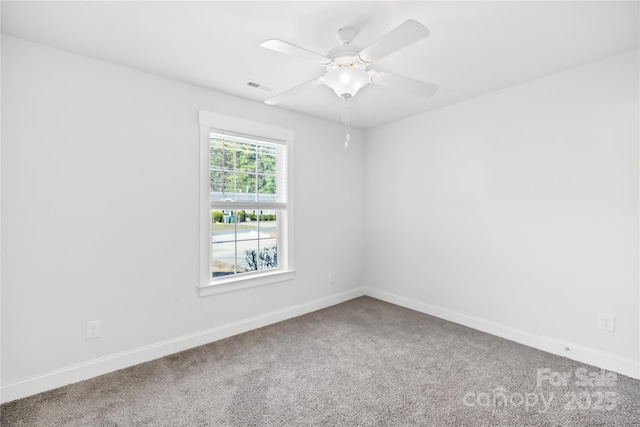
(402, 36)
(291, 49)
(293, 91)
(404, 84)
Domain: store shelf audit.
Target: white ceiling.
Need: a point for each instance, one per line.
(474, 47)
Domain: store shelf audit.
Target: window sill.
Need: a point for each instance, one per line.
(238, 283)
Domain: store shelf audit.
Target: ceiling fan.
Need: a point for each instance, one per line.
(346, 64)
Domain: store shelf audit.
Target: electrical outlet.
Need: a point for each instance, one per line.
(93, 329)
(607, 322)
(332, 277)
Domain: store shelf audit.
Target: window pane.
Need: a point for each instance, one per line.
(217, 181)
(245, 157)
(222, 154)
(222, 227)
(268, 254)
(246, 183)
(222, 258)
(216, 159)
(267, 159)
(246, 229)
(266, 188)
(248, 255)
(268, 224)
(222, 185)
(229, 154)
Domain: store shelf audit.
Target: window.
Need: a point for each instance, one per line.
(246, 212)
(247, 194)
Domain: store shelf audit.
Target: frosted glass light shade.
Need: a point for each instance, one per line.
(346, 80)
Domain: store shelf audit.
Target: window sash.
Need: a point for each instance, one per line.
(279, 175)
(260, 241)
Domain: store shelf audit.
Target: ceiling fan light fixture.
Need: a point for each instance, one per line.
(346, 81)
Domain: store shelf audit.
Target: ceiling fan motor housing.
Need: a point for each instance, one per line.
(344, 54)
(346, 76)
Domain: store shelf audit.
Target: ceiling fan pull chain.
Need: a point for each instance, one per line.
(345, 118)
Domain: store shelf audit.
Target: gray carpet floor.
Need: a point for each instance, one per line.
(360, 363)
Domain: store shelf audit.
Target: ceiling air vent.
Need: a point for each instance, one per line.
(257, 85)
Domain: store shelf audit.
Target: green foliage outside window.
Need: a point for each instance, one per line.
(217, 216)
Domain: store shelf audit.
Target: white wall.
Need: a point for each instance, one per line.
(100, 212)
(516, 211)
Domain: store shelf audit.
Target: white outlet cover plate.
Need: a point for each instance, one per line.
(607, 322)
(93, 329)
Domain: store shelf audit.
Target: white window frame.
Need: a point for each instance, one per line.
(219, 123)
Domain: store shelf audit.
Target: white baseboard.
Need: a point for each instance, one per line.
(607, 361)
(93, 368)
